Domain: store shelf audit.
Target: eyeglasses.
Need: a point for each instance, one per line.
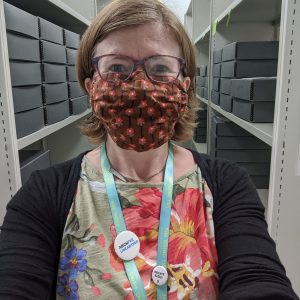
(158, 68)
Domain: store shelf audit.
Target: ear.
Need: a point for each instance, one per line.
(187, 83)
(88, 85)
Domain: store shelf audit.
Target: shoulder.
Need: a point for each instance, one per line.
(49, 192)
(222, 175)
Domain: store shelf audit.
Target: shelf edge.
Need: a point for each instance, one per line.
(250, 127)
(70, 11)
(202, 99)
(202, 35)
(225, 12)
(47, 130)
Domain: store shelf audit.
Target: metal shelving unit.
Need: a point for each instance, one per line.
(250, 20)
(60, 13)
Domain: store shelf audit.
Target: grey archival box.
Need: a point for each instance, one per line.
(260, 182)
(250, 50)
(226, 102)
(221, 126)
(53, 53)
(256, 168)
(71, 39)
(205, 96)
(217, 70)
(216, 84)
(203, 70)
(206, 82)
(71, 56)
(25, 73)
(75, 90)
(201, 114)
(239, 143)
(32, 160)
(57, 112)
(23, 48)
(79, 105)
(200, 81)
(215, 97)
(55, 92)
(249, 68)
(257, 156)
(254, 89)
(225, 85)
(54, 73)
(217, 56)
(50, 32)
(27, 97)
(201, 91)
(71, 73)
(256, 112)
(29, 121)
(18, 20)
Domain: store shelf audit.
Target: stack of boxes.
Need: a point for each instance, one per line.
(229, 141)
(78, 100)
(41, 54)
(202, 83)
(240, 60)
(53, 57)
(201, 129)
(215, 92)
(24, 55)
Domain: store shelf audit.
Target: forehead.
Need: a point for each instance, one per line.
(140, 41)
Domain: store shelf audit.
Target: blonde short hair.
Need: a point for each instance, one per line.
(123, 13)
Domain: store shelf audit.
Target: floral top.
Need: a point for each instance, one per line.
(89, 267)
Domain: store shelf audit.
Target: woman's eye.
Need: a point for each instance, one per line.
(160, 68)
(118, 68)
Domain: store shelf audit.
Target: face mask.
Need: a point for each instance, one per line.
(138, 114)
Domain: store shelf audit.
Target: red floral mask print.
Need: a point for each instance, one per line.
(138, 114)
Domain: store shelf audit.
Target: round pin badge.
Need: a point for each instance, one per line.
(127, 245)
(159, 275)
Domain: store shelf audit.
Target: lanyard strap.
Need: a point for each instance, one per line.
(164, 225)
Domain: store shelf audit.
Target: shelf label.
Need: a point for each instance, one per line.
(214, 28)
(228, 18)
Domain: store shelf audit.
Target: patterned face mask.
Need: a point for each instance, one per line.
(138, 114)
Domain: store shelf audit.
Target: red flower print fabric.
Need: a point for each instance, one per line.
(89, 267)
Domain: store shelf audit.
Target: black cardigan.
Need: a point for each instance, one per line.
(249, 267)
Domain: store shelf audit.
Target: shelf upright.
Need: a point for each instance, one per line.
(284, 204)
(10, 178)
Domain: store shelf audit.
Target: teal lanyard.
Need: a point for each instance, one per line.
(164, 225)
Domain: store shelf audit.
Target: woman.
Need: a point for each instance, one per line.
(132, 219)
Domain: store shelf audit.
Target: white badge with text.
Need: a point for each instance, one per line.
(127, 245)
(159, 275)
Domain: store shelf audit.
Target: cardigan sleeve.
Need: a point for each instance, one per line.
(29, 244)
(31, 233)
(249, 267)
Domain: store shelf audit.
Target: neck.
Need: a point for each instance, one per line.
(134, 164)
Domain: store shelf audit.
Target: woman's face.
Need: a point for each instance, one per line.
(139, 42)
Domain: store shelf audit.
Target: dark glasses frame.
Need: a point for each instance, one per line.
(181, 61)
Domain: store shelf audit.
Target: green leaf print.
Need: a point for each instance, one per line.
(73, 224)
(124, 202)
(94, 272)
(88, 278)
(177, 189)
